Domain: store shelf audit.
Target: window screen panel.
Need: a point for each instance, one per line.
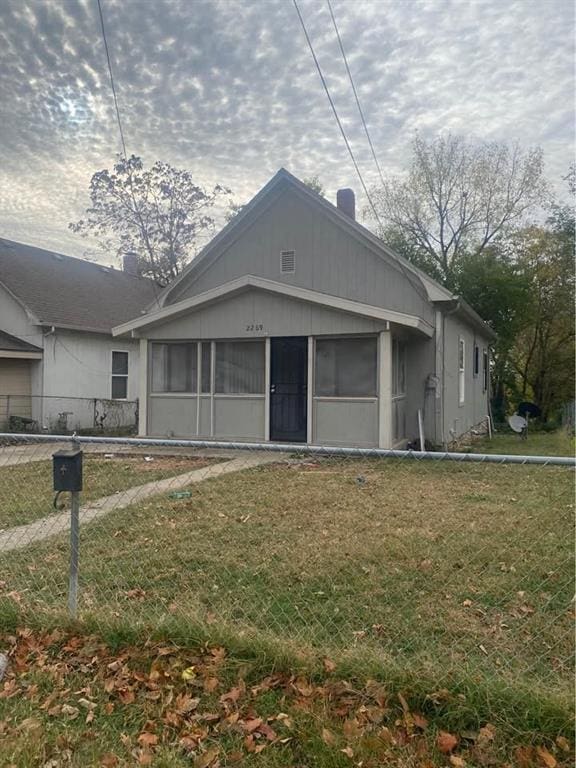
(174, 367)
(158, 360)
(120, 363)
(119, 387)
(206, 368)
(346, 367)
(240, 367)
(398, 368)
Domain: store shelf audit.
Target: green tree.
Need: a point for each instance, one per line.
(543, 355)
(159, 213)
(457, 198)
(315, 185)
(500, 291)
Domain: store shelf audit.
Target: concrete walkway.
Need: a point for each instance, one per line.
(12, 455)
(23, 535)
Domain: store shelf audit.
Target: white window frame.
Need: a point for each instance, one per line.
(461, 371)
(119, 375)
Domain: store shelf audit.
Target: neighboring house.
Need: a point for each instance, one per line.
(56, 346)
(297, 324)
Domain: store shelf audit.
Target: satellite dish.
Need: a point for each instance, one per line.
(517, 423)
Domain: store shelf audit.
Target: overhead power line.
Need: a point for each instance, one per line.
(342, 131)
(367, 132)
(417, 285)
(112, 80)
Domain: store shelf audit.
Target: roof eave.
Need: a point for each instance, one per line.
(226, 290)
(460, 306)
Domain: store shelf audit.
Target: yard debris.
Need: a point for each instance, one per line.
(180, 495)
(360, 720)
(3, 665)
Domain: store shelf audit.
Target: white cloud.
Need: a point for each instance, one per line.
(227, 89)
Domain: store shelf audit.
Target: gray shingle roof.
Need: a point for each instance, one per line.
(14, 344)
(66, 292)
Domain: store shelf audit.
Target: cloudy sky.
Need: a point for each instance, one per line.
(228, 90)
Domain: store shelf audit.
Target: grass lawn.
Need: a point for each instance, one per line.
(444, 573)
(73, 699)
(27, 493)
(559, 443)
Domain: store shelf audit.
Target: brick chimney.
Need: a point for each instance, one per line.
(346, 202)
(130, 264)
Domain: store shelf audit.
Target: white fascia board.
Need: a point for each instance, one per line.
(301, 294)
(19, 355)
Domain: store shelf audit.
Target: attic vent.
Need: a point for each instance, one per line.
(287, 262)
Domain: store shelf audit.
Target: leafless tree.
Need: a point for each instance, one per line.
(458, 197)
(160, 213)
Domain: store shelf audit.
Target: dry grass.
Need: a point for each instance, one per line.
(27, 492)
(441, 570)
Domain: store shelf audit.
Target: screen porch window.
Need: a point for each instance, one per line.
(461, 371)
(206, 368)
(398, 368)
(175, 367)
(240, 367)
(119, 375)
(346, 367)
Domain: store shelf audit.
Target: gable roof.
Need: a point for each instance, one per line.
(284, 179)
(65, 292)
(9, 343)
(248, 282)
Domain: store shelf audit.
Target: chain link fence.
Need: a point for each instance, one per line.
(454, 566)
(56, 414)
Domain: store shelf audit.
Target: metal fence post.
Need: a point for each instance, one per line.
(74, 549)
(74, 545)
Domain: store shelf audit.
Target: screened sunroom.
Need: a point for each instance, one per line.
(314, 389)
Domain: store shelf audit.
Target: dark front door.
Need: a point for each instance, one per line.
(288, 388)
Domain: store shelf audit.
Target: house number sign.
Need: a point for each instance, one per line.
(254, 327)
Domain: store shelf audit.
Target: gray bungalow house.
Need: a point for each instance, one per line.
(297, 324)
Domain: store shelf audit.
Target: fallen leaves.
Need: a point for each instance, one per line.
(186, 711)
(446, 742)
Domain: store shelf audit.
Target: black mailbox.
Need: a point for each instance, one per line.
(67, 466)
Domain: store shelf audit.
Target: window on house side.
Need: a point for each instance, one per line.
(119, 375)
(175, 367)
(484, 370)
(476, 361)
(346, 367)
(461, 371)
(240, 367)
